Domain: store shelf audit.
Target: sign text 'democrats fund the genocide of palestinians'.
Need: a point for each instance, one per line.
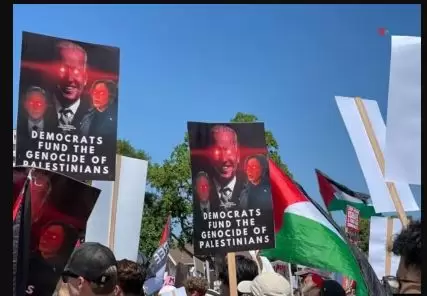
(68, 100)
(232, 204)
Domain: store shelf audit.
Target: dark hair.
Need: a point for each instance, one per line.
(246, 270)
(407, 244)
(131, 276)
(196, 284)
(331, 288)
(111, 86)
(262, 159)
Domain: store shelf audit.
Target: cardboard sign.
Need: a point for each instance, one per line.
(116, 219)
(352, 219)
(68, 100)
(232, 204)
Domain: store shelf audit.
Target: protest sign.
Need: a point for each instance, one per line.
(60, 208)
(68, 100)
(352, 219)
(116, 218)
(232, 204)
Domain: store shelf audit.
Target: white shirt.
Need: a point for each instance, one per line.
(39, 124)
(230, 186)
(205, 205)
(73, 108)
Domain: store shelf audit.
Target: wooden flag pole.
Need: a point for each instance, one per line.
(113, 215)
(232, 275)
(380, 159)
(389, 234)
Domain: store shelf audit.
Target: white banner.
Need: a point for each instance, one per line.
(403, 140)
(116, 219)
(375, 180)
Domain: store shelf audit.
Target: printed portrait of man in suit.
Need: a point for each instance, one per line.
(71, 79)
(35, 104)
(225, 159)
(231, 187)
(68, 96)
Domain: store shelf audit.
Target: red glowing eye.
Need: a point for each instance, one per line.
(228, 151)
(62, 70)
(216, 152)
(76, 72)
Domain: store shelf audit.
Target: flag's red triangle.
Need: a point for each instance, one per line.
(326, 189)
(284, 192)
(166, 232)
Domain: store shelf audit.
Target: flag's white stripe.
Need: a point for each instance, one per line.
(308, 210)
(344, 196)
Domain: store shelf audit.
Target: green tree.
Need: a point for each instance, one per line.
(364, 229)
(272, 145)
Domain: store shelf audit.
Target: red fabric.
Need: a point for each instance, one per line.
(317, 279)
(326, 189)
(166, 232)
(284, 193)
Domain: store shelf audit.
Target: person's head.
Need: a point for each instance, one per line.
(91, 270)
(311, 282)
(256, 168)
(103, 93)
(196, 286)
(131, 277)
(226, 155)
(266, 284)
(202, 186)
(246, 270)
(57, 238)
(331, 288)
(61, 289)
(408, 246)
(35, 103)
(72, 71)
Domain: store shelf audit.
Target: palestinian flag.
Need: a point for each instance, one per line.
(337, 197)
(305, 236)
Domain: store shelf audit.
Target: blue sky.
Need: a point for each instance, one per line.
(283, 63)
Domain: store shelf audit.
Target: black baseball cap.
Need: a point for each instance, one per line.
(97, 264)
(332, 288)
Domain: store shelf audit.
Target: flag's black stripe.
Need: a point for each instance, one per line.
(359, 195)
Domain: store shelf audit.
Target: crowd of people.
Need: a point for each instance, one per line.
(93, 270)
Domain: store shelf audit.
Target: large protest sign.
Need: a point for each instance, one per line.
(232, 204)
(116, 218)
(403, 136)
(60, 207)
(68, 100)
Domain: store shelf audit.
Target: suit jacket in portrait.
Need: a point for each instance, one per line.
(214, 198)
(80, 119)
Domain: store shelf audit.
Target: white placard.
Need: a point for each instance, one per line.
(129, 208)
(378, 248)
(403, 140)
(380, 196)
